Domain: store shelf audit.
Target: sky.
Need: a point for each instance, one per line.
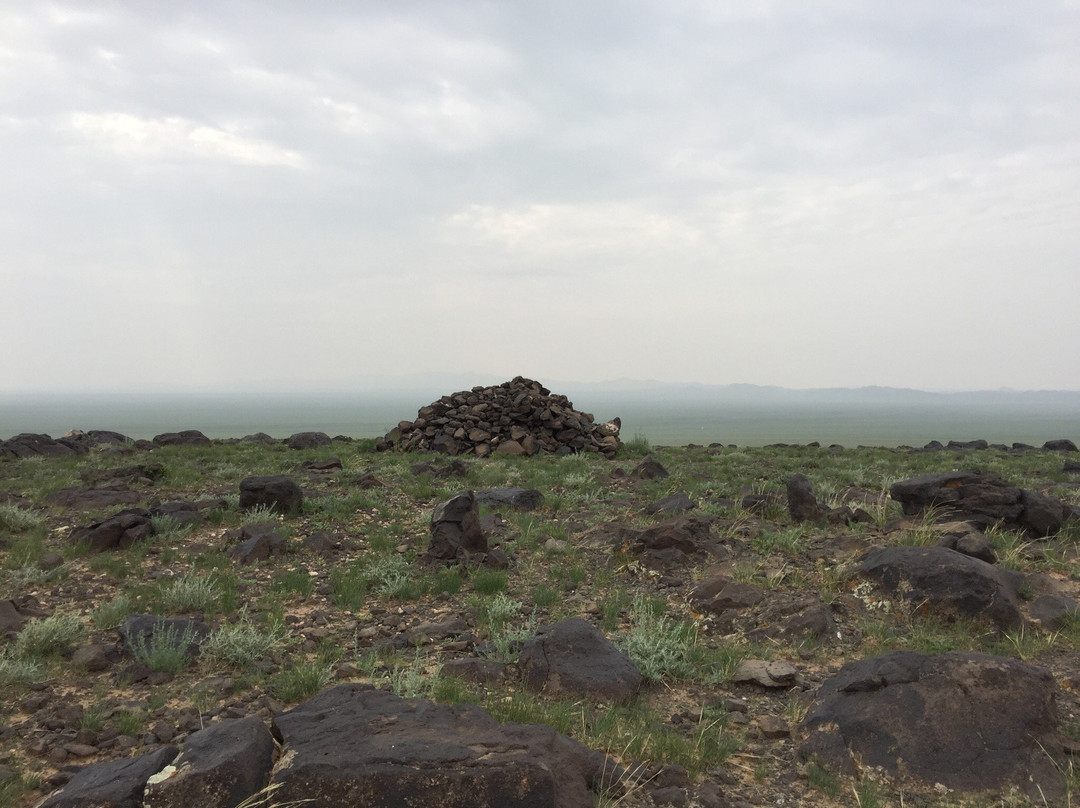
(311, 196)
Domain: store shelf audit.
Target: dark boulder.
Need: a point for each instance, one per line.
(720, 593)
(943, 581)
(802, 505)
(671, 504)
(649, 469)
(308, 440)
(119, 531)
(29, 445)
(455, 529)
(573, 657)
(1060, 445)
(968, 721)
(114, 784)
(92, 498)
(220, 767)
(524, 499)
(275, 491)
(258, 542)
(1053, 611)
(354, 745)
(186, 437)
(258, 437)
(983, 499)
(673, 543)
(965, 539)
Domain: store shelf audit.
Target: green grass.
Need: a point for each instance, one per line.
(190, 593)
(301, 680)
(242, 644)
(47, 637)
(166, 650)
(112, 613)
(658, 646)
(14, 519)
(487, 581)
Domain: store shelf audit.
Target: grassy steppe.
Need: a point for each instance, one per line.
(289, 626)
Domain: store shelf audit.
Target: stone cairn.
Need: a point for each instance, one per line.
(519, 417)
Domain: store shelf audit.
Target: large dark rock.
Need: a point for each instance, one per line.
(983, 499)
(672, 543)
(308, 440)
(220, 767)
(353, 745)
(186, 437)
(119, 531)
(29, 445)
(275, 491)
(679, 502)
(92, 498)
(455, 529)
(968, 721)
(524, 499)
(1060, 445)
(802, 504)
(573, 657)
(720, 593)
(943, 581)
(115, 784)
(258, 542)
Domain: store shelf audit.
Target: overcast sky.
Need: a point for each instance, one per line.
(251, 195)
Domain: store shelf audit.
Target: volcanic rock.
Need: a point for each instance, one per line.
(455, 529)
(966, 720)
(308, 440)
(524, 499)
(119, 531)
(115, 784)
(275, 491)
(220, 767)
(573, 657)
(186, 437)
(936, 579)
(983, 499)
(354, 745)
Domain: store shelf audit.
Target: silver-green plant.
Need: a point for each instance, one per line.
(47, 636)
(191, 592)
(242, 644)
(656, 644)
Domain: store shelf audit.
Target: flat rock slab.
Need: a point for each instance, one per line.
(221, 766)
(354, 745)
(115, 784)
(773, 673)
(969, 721)
(524, 499)
(105, 496)
(574, 657)
(944, 581)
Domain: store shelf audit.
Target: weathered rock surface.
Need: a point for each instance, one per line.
(673, 543)
(524, 499)
(518, 417)
(257, 542)
(30, 445)
(88, 498)
(276, 491)
(771, 673)
(185, 437)
(968, 721)
(720, 593)
(943, 581)
(983, 499)
(308, 440)
(678, 502)
(353, 745)
(119, 531)
(115, 784)
(220, 767)
(574, 657)
(455, 529)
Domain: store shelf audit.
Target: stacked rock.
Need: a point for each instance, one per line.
(519, 417)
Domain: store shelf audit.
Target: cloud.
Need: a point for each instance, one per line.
(174, 138)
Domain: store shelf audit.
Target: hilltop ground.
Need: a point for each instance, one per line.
(361, 606)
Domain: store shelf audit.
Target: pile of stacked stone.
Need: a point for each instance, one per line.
(519, 417)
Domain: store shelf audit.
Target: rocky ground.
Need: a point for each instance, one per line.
(788, 614)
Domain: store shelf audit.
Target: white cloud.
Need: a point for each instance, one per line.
(174, 137)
